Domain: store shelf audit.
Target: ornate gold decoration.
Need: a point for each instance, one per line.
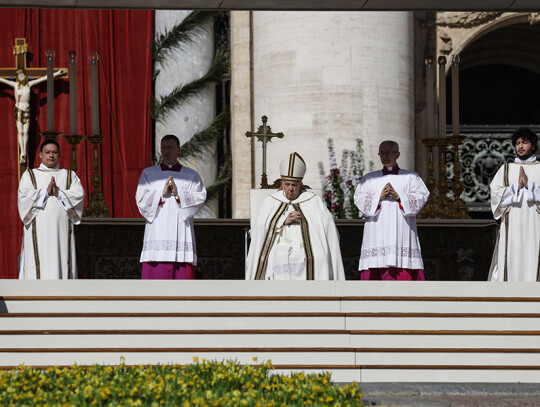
(439, 206)
(264, 134)
(53, 135)
(460, 208)
(431, 208)
(73, 140)
(97, 208)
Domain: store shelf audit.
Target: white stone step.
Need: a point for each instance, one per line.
(448, 359)
(445, 341)
(172, 340)
(455, 306)
(449, 376)
(238, 340)
(261, 305)
(136, 358)
(234, 288)
(192, 323)
(441, 323)
(187, 306)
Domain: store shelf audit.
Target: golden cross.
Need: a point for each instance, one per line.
(264, 134)
(20, 49)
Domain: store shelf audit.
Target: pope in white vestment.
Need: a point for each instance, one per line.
(50, 202)
(294, 236)
(168, 196)
(390, 199)
(515, 200)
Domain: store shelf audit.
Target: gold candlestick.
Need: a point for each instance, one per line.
(443, 182)
(461, 211)
(97, 208)
(431, 209)
(50, 135)
(73, 140)
(442, 96)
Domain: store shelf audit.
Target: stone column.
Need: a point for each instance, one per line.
(241, 112)
(343, 75)
(180, 67)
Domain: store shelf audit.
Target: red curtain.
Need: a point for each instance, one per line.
(122, 39)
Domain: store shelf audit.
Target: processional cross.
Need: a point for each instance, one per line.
(20, 49)
(264, 134)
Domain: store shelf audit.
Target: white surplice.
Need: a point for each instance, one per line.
(309, 250)
(48, 250)
(390, 236)
(516, 253)
(169, 235)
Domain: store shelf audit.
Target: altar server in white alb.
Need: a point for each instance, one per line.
(50, 201)
(390, 199)
(168, 196)
(294, 236)
(515, 200)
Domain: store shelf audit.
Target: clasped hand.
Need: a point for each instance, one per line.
(52, 189)
(294, 217)
(170, 186)
(523, 179)
(387, 191)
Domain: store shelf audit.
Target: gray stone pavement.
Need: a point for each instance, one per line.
(451, 394)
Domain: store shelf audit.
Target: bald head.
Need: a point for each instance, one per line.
(389, 153)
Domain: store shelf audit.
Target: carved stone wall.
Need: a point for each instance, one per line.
(455, 31)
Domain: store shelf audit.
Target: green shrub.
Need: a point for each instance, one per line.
(206, 383)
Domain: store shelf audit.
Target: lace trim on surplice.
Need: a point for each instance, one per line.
(188, 199)
(368, 200)
(290, 269)
(386, 250)
(413, 203)
(167, 245)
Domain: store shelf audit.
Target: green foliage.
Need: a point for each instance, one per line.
(182, 33)
(200, 141)
(206, 383)
(181, 94)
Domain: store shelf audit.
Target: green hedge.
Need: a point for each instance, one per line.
(206, 383)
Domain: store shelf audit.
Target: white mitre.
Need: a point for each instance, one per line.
(292, 169)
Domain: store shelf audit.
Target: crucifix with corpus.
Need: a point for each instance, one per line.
(264, 134)
(21, 88)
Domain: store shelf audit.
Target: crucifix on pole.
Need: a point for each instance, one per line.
(24, 79)
(264, 134)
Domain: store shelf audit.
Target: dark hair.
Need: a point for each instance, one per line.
(49, 141)
(171, 137)
(526, 133)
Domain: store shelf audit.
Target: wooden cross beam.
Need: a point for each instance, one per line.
(264, 134)
(20, 49)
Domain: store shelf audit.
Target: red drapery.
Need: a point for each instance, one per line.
(122, 39)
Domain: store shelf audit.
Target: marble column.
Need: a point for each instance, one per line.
(340, 75)
(241, 112)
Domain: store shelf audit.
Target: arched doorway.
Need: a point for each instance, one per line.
(499, 92)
